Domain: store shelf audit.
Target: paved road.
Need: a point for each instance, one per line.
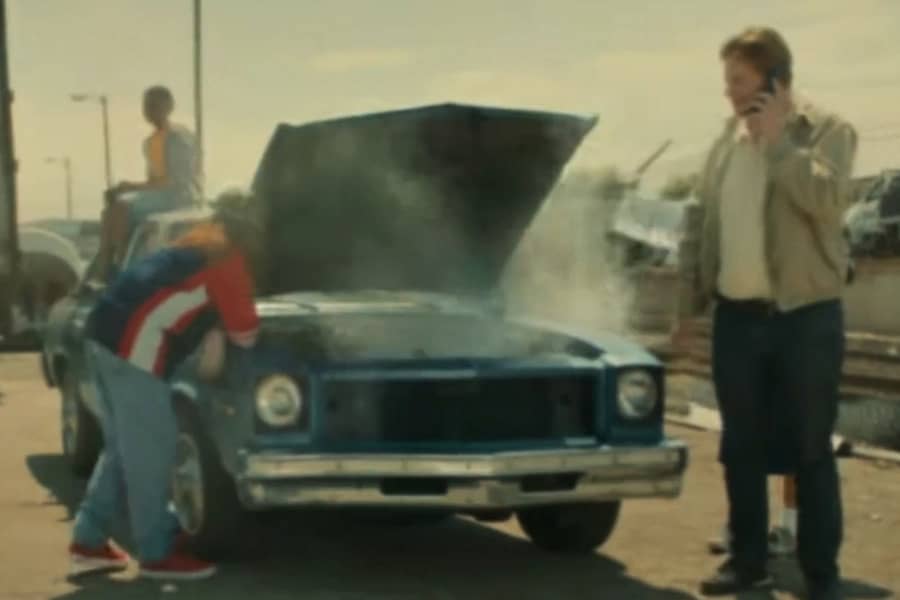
(657, 552)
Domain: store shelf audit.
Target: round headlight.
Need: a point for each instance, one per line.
(278, 401)
(638, 394)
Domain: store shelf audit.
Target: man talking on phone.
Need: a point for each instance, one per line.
(764, 246)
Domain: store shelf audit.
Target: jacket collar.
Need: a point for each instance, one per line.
(807, 114)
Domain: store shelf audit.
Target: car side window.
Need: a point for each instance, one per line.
(177, 230)
(144, 241)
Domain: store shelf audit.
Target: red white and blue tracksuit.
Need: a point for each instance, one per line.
(150, 318)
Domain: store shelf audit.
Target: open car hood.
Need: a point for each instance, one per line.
(433, 198)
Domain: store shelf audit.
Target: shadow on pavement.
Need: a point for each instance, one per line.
(323, 554)
(52, 472)
(790, 579)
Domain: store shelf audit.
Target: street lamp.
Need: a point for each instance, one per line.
(67, 166)
(104, 106)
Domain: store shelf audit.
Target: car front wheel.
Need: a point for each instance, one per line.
(570, 528)
(82, 439)
(203, 493)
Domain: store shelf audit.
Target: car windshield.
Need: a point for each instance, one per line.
(176, 230)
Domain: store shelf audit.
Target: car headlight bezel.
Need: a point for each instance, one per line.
(637, 394)
(279, 401)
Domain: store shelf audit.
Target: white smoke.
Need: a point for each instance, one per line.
(565, 269)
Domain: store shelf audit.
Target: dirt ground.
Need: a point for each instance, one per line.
(657, 552)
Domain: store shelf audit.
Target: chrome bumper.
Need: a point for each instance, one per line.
(462, 482)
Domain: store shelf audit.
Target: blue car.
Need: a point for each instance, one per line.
(389, 377)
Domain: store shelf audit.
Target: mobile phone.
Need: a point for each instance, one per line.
(773, 74)
(768, 85)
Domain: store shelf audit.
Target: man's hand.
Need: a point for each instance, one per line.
(768, 121)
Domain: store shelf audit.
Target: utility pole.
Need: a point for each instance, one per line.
(104, 106)
(68, 167)
(104, 113)
(9, 241)
(198, 86)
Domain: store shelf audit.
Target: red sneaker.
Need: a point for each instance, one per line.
(182, 543)
(178, 566)
(85, 560)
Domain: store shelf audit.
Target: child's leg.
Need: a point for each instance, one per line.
(789, 513)
(783, 537)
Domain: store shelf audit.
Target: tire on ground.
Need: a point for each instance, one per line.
(570, 528)
(222, 522)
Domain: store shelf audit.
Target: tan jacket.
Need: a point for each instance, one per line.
(809, 173)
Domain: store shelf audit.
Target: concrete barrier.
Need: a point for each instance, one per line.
(871, 304)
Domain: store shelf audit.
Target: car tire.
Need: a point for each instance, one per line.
(215, 521)
(570, 528)
(81, 436)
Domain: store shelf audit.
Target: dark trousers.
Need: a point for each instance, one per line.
(776, 377)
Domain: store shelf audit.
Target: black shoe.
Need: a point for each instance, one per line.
(820, 591)
(728, 580)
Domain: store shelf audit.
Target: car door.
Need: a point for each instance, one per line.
(73, 312)
(82, 302)
(145, 240)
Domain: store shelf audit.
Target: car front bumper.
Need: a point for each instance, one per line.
(505, 480)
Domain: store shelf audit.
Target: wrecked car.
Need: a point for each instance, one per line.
(648, 231)
(389, 375)
(872, 225)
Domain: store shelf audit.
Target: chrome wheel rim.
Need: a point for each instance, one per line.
(187, 485)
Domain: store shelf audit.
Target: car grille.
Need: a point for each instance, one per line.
(484, 410)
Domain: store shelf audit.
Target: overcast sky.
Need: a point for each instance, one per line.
(648, 69)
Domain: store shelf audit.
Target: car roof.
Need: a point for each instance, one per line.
(179, 216)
